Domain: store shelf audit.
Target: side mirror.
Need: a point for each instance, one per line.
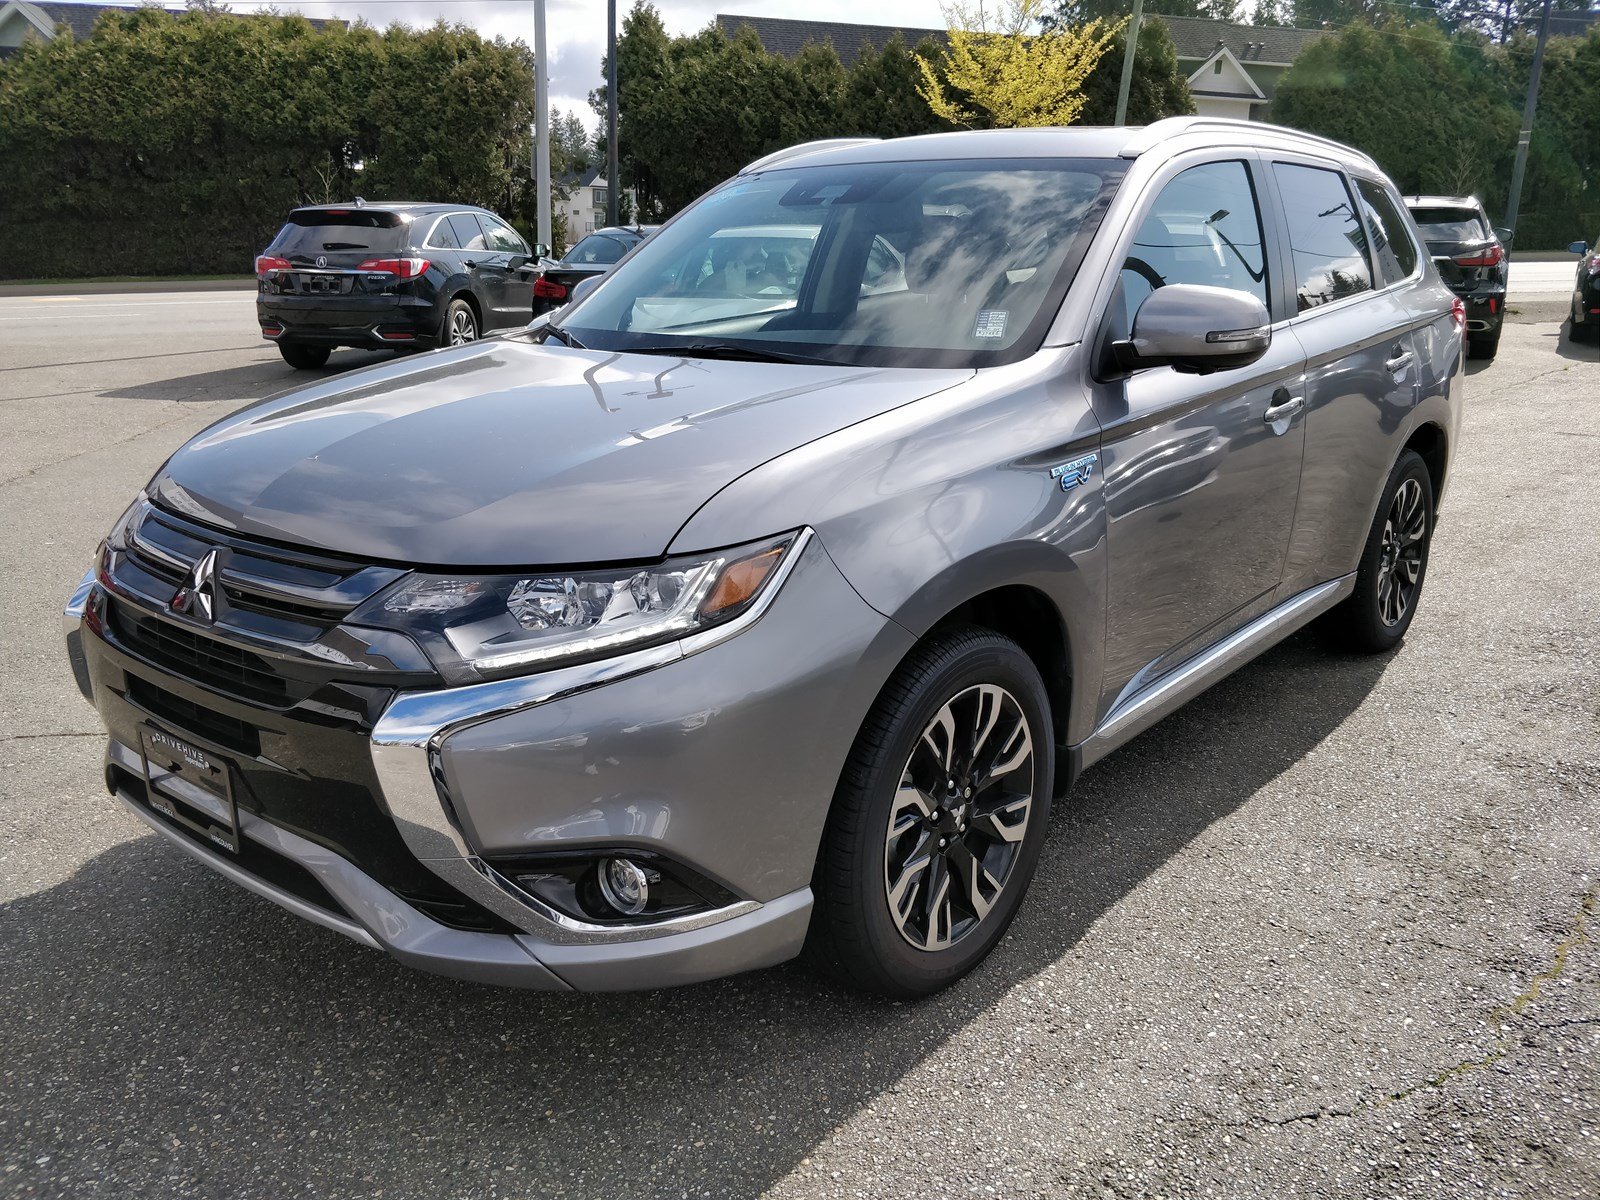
(581, 289)
(1578, 248)
(1505, 235)
(1196, 329)
(540, 250)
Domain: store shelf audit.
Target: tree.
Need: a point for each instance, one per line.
(1001, 73)
(1068, 13)
(1376, 87)
(1160, 87)
(571, 148)
(881, 97)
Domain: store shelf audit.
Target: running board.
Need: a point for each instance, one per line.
(1144, 708)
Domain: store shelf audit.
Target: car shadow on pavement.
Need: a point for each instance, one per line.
(248, 381)
(1567, 348)
(164, 1025)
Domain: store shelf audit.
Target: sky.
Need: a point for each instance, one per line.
(576, 29)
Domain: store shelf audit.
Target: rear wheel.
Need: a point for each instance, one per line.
(938, 819)
(460, 324)
(1393, 564)
(304, 358)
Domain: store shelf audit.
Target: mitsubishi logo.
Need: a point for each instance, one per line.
(199, 597)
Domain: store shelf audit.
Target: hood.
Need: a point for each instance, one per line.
(507, 453)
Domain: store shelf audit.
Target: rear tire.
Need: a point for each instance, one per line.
(1585, 331)
(1484, 346)
(460, 325)
(1394, 564)
(938, 819)
(304, 358)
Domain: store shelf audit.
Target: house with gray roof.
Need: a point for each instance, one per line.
(23, 21)
(1233, 69)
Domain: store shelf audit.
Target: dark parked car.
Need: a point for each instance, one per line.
(1586, 291)
(589, 259)
(744, 612)
(1471, 257)
(398, 275)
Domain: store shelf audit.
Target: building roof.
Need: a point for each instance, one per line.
(1198, 38)
(1195, 37)
(80, 18)
(781, 35)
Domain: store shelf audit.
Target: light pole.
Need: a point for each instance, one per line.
(611, 112)
(541, 129)
(1127, 62)
(1526, 135)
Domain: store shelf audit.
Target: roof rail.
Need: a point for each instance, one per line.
(778, 156)
(1145, 139)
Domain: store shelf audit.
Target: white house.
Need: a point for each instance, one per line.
(581, 200)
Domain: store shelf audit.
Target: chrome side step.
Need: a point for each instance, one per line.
(1163, 697)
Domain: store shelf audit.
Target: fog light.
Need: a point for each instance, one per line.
(624, 885)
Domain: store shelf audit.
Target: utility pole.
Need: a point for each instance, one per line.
(611, 111)
(541, 129)
(1127, 61)
(1528, 107)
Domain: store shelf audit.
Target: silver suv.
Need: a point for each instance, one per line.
(761, 599)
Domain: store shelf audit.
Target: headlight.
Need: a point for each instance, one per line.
(504, 624)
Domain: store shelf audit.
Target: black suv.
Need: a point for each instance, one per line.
(1471, 257)
(399, 275)
(1586, 291)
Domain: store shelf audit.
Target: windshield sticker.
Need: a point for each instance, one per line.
(991, 323)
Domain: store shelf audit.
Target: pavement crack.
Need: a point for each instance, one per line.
(1506, 1015)
(56, 462)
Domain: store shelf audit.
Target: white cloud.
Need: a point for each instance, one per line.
(577, 28)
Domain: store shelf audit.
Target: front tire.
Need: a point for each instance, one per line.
(1394, 563)
(304, 358)
(938, 819)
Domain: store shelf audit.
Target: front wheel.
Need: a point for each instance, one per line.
(1393, 564)
(938, 819)
(304, 358)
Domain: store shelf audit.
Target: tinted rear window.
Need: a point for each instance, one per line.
(598, 248)
(1450, 224)
(315, 230)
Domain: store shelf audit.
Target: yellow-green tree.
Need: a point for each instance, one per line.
(1001, 71)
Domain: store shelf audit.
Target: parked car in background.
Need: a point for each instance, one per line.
(1472, 260)
(592, 257)
(390, 275)
(598, 656)
(1586, 291)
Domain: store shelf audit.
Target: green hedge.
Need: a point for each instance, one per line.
(174, 145)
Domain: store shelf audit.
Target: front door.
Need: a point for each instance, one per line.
(513, 279)
(1201, 472)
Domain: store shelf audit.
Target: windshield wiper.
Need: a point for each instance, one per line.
(732, 353)
(556, 331)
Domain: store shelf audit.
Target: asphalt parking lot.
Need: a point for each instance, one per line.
(1332, 930)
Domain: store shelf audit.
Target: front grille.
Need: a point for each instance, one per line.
(228, 732)
(192, 655)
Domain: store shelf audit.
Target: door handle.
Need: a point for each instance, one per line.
(1284, 407)
(469, 264)
(1399, 362)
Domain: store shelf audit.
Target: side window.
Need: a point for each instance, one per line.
(502, 238)
(1203, 228)
(1392, 247)
(465, 227)
(443, 237)
(1325, 235)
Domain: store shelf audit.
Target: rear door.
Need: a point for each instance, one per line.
(1362, 373)
(475, 260)
(1201, 472)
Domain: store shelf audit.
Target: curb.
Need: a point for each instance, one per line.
(129, 286)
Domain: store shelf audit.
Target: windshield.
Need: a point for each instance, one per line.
(930, 263)
(1450, 224)
(314, 230)
(597, 248)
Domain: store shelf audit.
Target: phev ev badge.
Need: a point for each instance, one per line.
(199, 596)
(1077, 471)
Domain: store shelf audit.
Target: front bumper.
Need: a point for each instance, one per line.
(654, 751)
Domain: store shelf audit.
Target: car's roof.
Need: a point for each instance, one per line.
(1443, 202)
(1078, 141)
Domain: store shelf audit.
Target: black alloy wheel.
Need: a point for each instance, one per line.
(1394, 563)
